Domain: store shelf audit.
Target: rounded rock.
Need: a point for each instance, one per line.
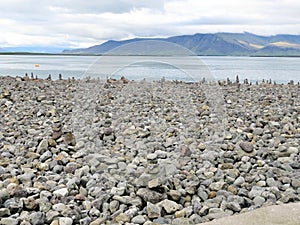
(246, 146)
(65, 221)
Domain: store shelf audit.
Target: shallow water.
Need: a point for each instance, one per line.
(279, 69)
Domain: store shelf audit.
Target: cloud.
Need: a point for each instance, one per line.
(77, 23)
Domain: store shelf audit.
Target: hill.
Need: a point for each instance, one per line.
(233, 44)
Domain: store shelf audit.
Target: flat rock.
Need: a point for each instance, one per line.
(272, 215)
(9, 221)
(169, 206)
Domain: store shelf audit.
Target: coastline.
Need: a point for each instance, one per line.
(88, 151)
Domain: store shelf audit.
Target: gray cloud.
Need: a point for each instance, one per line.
(78, 23)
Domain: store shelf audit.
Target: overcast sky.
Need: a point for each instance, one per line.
(82, 23)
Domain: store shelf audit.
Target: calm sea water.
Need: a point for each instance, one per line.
(279, 69)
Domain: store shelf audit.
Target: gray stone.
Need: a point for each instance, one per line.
(295, 165)
(85, 221)
(4, 212)
(43, 146)
(161, 220)
(59, 207)
(202, 194)
(239, 181)
(255, 191)
(271, 182)
(37, 218)
(195, 219)
(295, 182)
(216, 213)
(236, 199)
(149, 195)
(216, 186)
(65, 221)
(196, 203)
(4, 195)
(26, 178)
(154, 183)
(98, 221)
(71, 167)
(293, 150)
(9, 221)
(246, 146)
(152, 156)
(258, 131)
(288, 196)
(61, 192)
(46, 155)
(79, 154)
(114, 206)
(44, 206)
(167, 168)
(153, 211)
(274, 124)
(79, 145)
(50, 215)
(138, 219)
(25, 223)
(174, 194)
(117, 191)
(43, 166)
(128, 200)
(259, 201)
(14, 205)
(182, 221)
(234, 206)
(2, 169)
(169, 206)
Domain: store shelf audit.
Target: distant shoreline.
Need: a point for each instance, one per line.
(67, 54)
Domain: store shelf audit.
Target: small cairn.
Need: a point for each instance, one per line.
(237, 79)
(49, 77)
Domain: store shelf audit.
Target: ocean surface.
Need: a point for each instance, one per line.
(188, 68)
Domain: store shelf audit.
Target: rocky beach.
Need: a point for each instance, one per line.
(137, 152)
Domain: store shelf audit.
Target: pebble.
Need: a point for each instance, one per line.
(149, 195)
(151, 156)
(153, 211)
(89, 153)
(4, 195)
(9, 221)
(169, 206)
(37, 218)
(234, 206)
(59, 207)
(65, 221)
(4, 212)
(63, 192)
(69, 139)
(138, 219)
(246, 146)
(43, 146)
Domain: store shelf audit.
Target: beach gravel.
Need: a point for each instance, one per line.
(164, 152)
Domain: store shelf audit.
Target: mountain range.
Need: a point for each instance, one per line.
(217, 44)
